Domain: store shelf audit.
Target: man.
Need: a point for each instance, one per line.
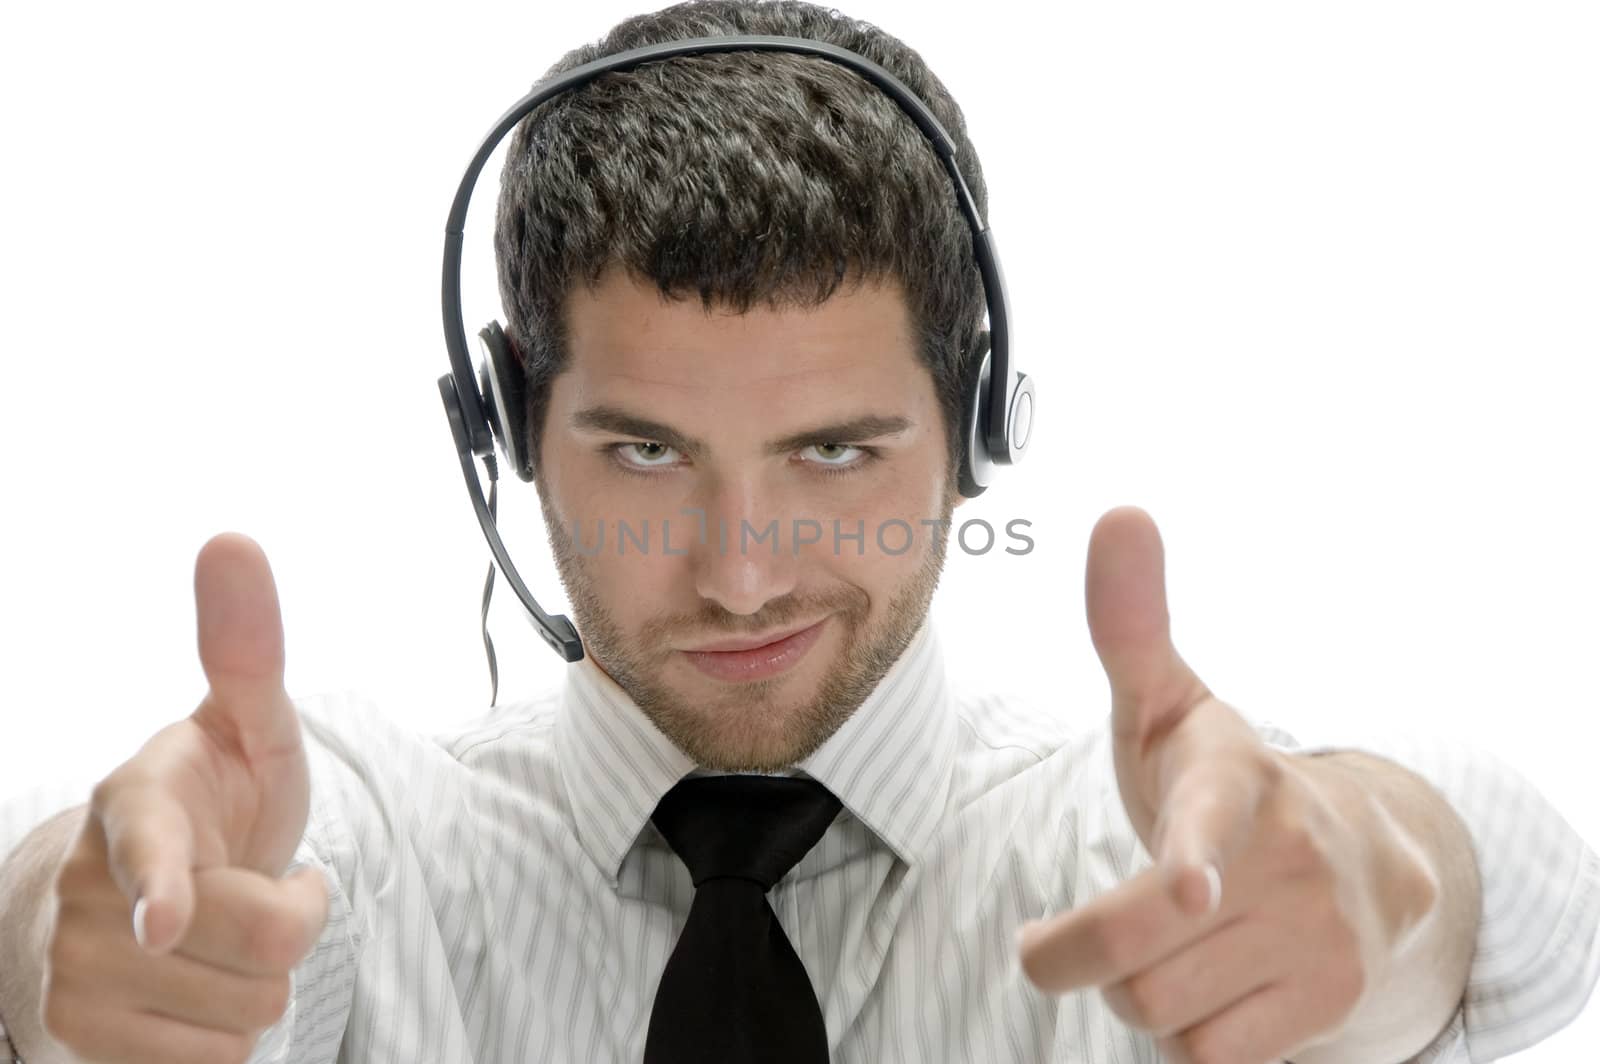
(515, 892)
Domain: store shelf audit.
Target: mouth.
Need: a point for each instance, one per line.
(742, 660)
(723, 646)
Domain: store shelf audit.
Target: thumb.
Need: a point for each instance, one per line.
(240, 630)
(150, 848)
(1125, 593)
(311, 886)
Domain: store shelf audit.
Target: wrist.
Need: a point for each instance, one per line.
(1420, 890)
(27, 916)
(1379, 801)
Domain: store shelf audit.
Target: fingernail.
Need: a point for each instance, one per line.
(138, 921)
(1214, 882)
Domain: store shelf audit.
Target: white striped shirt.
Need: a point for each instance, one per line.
(499, 894)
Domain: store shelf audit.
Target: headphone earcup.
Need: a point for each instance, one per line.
(502, 381)
(973, 473)
(1020, 418)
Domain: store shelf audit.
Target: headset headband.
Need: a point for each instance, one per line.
(1000, 408)
(455, 334)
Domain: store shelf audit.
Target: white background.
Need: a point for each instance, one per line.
(1313, 284)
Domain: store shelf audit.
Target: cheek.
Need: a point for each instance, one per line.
(896, 529)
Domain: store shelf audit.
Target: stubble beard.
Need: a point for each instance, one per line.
(762, 732)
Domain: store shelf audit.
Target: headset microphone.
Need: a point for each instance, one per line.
(487, 408)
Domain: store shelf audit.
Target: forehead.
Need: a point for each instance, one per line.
(623, 334)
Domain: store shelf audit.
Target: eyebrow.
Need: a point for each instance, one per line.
(859, 429)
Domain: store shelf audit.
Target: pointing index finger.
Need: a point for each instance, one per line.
(1112, 937)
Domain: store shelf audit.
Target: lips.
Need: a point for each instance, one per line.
(769, 659)
(727, 645)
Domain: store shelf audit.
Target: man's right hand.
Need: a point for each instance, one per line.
(187, 842)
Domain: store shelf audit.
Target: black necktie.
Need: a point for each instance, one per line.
(734, 990)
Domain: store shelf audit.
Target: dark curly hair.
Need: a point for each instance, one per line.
(742, 176)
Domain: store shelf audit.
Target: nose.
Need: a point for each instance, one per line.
(741, 559)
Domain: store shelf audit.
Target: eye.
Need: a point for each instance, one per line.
(648, 449)
(624, 455)
(833, 461)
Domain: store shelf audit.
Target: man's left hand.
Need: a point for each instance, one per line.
(1279, 896)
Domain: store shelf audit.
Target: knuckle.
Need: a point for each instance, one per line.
(103, 791)
(274, 942)
(1272, 766)
(60, 1016)
(1422, 891)
(71, 951)
(1202, 1045)
(79, 873)
(233, 1049)
(1330, 914)
(1301, 849)
(269, 1002)
(1120, 1003)
(1324, 919)
(1143, 1001)
(70, 913)
(111, 790)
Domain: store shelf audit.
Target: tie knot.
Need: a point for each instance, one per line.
(752, 827)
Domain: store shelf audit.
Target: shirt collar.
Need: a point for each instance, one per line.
(889, 763)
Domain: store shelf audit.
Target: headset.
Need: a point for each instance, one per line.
(488, 409)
